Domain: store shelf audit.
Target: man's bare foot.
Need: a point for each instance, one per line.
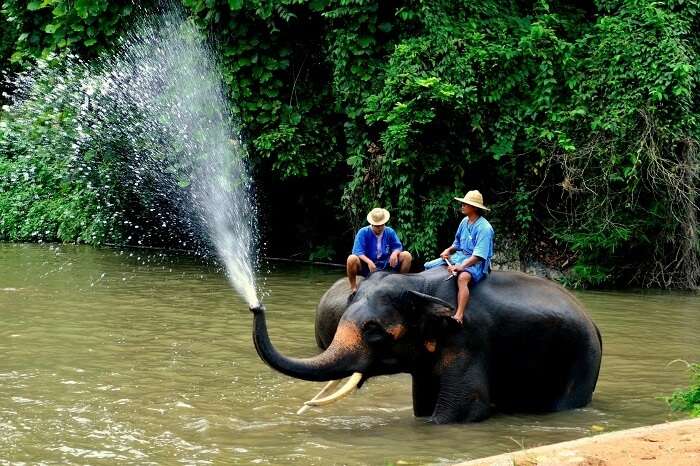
(458, 318)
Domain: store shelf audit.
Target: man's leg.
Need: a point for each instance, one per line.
(405, 260)
(462, 295)
(353, 267)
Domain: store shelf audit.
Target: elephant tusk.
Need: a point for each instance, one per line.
(345, 390)
(329, 386)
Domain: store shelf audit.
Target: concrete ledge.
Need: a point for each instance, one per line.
(674, 443)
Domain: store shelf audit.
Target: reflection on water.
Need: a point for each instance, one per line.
(112, 355)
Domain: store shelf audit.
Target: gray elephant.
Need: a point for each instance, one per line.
(526, 344)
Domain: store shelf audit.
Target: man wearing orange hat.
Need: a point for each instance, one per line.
(469, 256)
(376, 247)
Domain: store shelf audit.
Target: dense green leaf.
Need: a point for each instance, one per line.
(579, 126)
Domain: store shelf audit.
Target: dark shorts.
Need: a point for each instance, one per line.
(364, 271)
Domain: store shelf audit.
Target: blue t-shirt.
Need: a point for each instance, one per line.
(475, 239)
(366, 243)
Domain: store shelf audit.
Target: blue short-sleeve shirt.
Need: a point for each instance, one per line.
(366, 243)
(475, 239)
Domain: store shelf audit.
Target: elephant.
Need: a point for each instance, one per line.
(526, 344)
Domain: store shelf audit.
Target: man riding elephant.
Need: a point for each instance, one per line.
(469, 256)
(376, 247)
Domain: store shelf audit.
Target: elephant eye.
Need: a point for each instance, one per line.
(374, 333)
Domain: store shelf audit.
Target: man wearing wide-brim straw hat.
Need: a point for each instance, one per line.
(469, 256)
(376, 247)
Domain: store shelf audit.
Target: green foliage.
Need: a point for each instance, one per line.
(9, 36)
(46, 26)
(581, 125)
(58, 182)
(43, 194)
(273, 64)
(631, 177)
(688, 400)
(323, 252)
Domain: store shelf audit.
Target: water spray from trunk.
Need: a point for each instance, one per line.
(153, 114)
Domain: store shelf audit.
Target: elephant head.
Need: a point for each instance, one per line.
(389, 329)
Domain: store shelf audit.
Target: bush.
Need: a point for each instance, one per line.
(688, 400)
(44, 194)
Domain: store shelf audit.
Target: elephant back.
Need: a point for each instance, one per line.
(514, 299)
(518, 293)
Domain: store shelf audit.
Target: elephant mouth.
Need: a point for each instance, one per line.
(328, 396)
(323, 397)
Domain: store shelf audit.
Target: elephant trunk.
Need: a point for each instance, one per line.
(339, 360)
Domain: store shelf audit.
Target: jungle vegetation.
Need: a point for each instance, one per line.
(578, 121)
(688, 400)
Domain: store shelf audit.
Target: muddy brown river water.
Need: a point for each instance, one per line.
(125, 356)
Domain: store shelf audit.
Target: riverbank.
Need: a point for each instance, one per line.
(674, 443)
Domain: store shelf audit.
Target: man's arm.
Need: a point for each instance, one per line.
(370, 264)
(484, 243)
(394, 242)
(359, 250)
(472, 260)
(365, 259)
(358, 247)
(481, 250)
(395, 247)
(448, 252)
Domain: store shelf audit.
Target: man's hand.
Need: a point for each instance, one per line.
(455, 268)
(394, 258)
(445, 254)
(372, 268)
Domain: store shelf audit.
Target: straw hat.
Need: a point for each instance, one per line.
(378, 216)
(473, 198)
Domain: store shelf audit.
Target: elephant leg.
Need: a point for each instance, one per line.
(580, 386)
(464, 395)
(425, 393)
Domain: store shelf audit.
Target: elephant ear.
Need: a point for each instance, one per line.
(432, 314)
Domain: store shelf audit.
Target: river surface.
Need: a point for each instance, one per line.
(138, 357)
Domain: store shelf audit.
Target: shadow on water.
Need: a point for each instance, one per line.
(124, 355)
